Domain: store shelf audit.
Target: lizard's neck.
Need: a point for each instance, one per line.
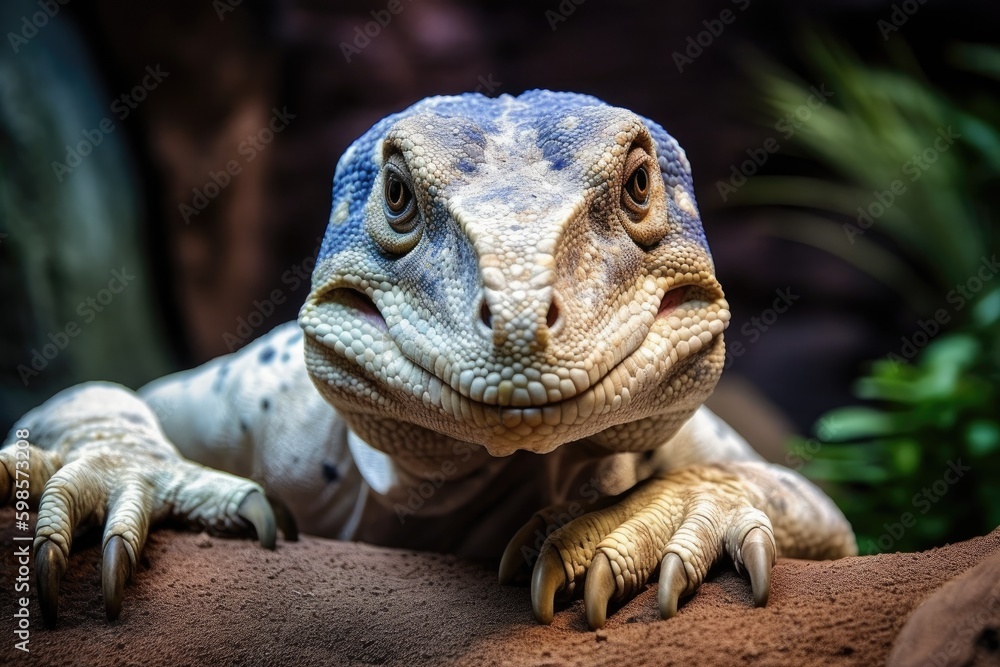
(420, 451)
(417, 450)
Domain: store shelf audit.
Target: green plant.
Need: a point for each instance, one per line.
(918, 463)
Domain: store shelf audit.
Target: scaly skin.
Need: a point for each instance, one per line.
(513, 295)
(598, 315)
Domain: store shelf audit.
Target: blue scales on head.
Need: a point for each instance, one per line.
(474, 119)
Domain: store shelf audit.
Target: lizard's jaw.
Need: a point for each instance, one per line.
(363, 369)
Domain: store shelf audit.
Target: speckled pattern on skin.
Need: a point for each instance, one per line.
(514, 311)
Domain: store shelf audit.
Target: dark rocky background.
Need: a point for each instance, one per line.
(228, 69)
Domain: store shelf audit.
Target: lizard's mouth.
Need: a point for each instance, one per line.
(679, 331)
(367, 311)
(362, 304)
(365, 357)
(672, 300)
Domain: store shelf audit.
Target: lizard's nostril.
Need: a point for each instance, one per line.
(485, 315)
(553, 315)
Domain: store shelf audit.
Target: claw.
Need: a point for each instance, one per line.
(757, 554)
(50, 566)
(547, 579)
(673, 582)
(6, 486)
(256, 510)
(597, 592)
(116, 570)
(285, 520)
(513, 562)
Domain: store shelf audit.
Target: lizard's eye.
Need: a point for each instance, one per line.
(400, 207)
(635, 194)
(641, 187)
(637, 187)
(398, 229)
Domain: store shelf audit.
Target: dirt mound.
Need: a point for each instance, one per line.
(202, 600)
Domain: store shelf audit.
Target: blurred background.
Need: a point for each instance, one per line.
(165, 177)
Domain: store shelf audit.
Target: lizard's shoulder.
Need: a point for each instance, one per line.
(238, 397)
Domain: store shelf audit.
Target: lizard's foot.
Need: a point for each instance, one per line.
(125, 476)
(679, 524)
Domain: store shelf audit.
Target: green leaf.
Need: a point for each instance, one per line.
(983, 437)
(987, 309)
(858, 422)
(907, 456)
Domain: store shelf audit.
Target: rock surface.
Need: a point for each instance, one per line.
(957, 625)
(204, 600)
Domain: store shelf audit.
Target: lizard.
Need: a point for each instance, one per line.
(513, 324)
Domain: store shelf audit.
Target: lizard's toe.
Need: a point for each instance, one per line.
(257, 511)
(228, 505)
(118, 470)
(517, 556)
(24, 471)
(268, 515)
(757, 556)
(673, 583)
(82, 493)
(547, 580)
(115, 572)
(284, 518)
(679, 525)
(600, 587)
(50, 565)
(6, 483)
(127, 498)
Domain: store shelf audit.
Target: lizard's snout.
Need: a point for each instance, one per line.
(553, 317)
(518, 324)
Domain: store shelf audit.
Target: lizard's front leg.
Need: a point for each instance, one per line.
(95, 454)
(677, 525)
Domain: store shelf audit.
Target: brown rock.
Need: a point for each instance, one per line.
(957, 625)
(321, 602)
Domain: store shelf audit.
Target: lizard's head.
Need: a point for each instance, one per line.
(517, 273)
